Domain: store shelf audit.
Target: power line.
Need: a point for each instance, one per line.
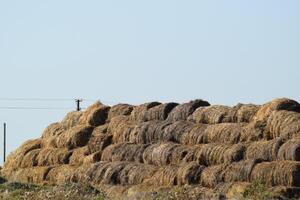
(41, 99)
(34, 108)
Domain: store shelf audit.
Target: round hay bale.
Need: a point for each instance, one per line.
(93, 158)
(280, 120)
(291, 131)
(277, 104)
(183, 111)
(99, 139)
(290, 150)
(196, 135)
(243, 113)
(159, 112)
(254, 131)
(61, 175)
(174, 131)
(78, 155)
(71, 119)
(164, 176)
(36, 175)
(225, 133)
(211, 115)
(120, 128)
(214, 154)
(189, 173)
(77, 136)
(285, 173)
(49, 157)
(264, 150)
(119, 109)
(30, 159)
(54, 129)
(94, 115)
(226, 173)
(124, 152)
(15, 158)
(139, 112)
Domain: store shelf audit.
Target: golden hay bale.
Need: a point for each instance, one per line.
(148, 132)
(124, 152)
(235, 189)
(48, 157)
(264, 150)
(77, 136)
(61, 175)
(138, 113)
(94, 115)
(120, 128)
(54, 129)
(243, 112)
(159, 112)
(30, 159)
(93, 158)
(183, 111)
(214, 154)
(291, 131)
(15, 158)
(211, 115)
(78, 155)
(30, 175)
(290, 150)
(119, 109)
(281, 120)
(99, 139)
(81, 175)
(277, 104)
(71, 119)
(225, 173)
(286, 173)
(254, 131)
(164, 176)
(225, 133)
(196, 135)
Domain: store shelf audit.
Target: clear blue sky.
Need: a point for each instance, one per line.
(135, 51)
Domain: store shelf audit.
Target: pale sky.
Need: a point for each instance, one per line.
(136, 51)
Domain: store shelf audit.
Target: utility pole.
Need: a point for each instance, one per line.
(4, 142)
(78, 101)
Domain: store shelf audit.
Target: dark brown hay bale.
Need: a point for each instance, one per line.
(234, 172)
(120, 128)
(211, 115)
(183, 111)
(119, 109)
(30, 159)
(71, 119)
(139, 112)
(286, 173)
(225, 133)
(281, 120)
(77, 136)
(78, 155)
(189, 173)
(48, 157)
(99, 139)
(149, 132)
(160, 154)
(196, 135)
(264, 150)
(95, 115)
(61, 175)
(30, 175)
(159, 112)
(254, 131)
(277, 104)
(290, 150)
(243, 113)
(52, 130)
(124, 152)
(15, 158)
(174, 131)
(214, 154)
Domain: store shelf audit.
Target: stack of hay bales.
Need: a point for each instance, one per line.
(205, 148)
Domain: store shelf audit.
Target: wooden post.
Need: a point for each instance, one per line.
(78, 104)
(4, 142)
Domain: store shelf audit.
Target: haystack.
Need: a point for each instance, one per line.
(211, 115)
(290, 150)
(94, 115)
(55, 156)
(119, 109)
(139, 112)
(159, 112)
